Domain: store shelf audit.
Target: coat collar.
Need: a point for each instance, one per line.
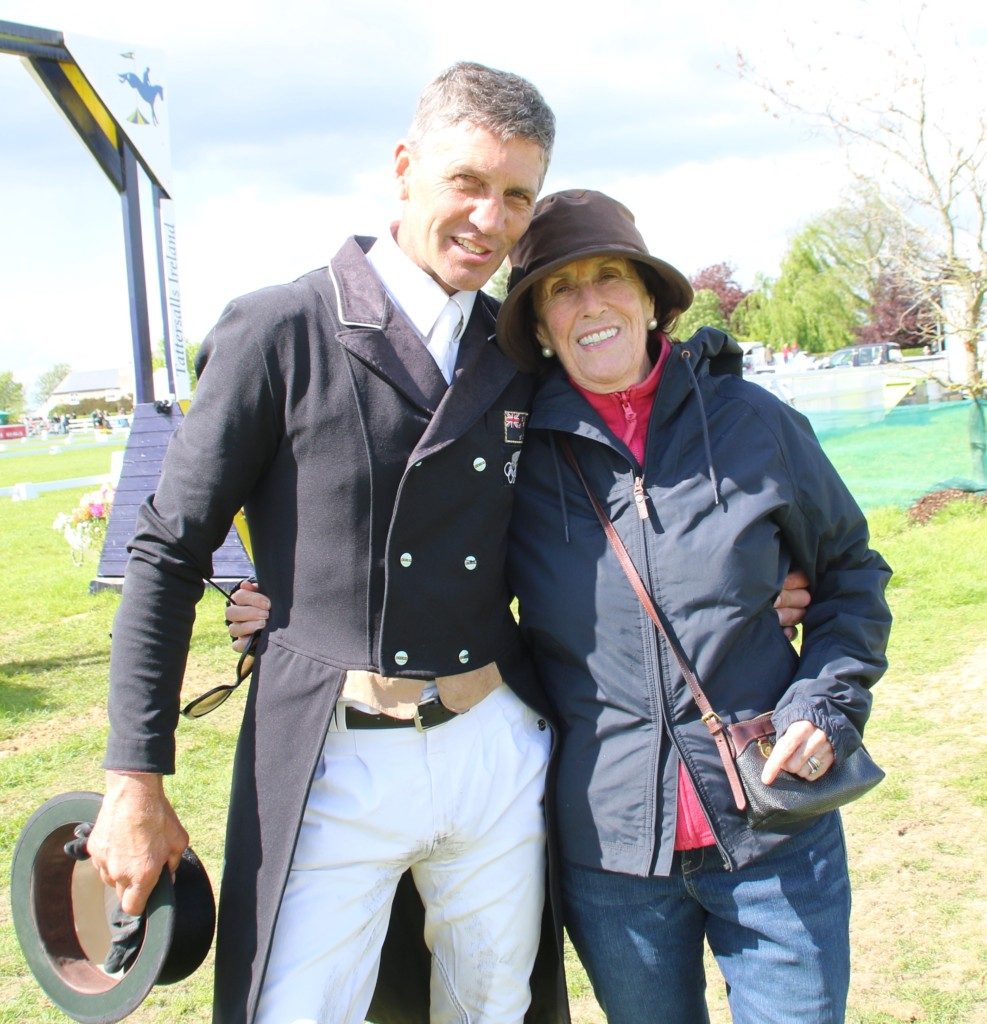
(378, 334)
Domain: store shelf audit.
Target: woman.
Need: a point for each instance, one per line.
(714, 487)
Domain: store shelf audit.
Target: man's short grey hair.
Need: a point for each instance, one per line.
(504, 104)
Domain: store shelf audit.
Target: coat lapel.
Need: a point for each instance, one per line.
(482, 373)
(376, 332)
(378, 335)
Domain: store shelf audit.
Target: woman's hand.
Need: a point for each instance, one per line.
(246, 614)
(792, 601)
(803, 750)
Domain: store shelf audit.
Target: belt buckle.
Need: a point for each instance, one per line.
(419, 724)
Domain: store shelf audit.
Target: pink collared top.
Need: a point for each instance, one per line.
(626, 413)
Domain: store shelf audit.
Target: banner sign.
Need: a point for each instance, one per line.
(171, 302)
(130, 81)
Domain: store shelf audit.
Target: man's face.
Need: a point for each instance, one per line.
(468, 197)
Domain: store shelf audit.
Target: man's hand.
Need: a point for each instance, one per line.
(136, 835)
(246, 613)
(792, 601)
(804, 750)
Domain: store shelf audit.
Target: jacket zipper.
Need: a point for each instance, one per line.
(640, 498)
(641, 502)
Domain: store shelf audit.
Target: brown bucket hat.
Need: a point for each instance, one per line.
(572, 225)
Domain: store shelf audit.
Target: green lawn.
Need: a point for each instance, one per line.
(916, 843)
(57, 459)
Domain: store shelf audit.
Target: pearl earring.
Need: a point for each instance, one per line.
(652, 324)
(547, 352)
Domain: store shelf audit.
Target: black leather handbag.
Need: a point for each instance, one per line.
(745, 746)
(790, 798)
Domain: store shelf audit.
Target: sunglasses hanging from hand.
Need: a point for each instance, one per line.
(211, 699)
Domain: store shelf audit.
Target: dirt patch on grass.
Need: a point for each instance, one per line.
(50, 731)
(928, 505)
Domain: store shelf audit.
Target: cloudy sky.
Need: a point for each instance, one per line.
(284, 116)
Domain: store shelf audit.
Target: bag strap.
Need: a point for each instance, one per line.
(711, 719)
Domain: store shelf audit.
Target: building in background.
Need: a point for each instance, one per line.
(85, 389)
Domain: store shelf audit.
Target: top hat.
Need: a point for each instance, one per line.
(573, 225)
(62, 916)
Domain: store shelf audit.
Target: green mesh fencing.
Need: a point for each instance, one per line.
(894, 457)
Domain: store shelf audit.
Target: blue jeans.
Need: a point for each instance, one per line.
(779, 930)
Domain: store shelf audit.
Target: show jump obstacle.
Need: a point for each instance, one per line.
(114, 97)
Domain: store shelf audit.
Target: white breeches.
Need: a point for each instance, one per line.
(461, 805)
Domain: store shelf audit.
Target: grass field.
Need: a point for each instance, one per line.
(37, 461)
(916, 843)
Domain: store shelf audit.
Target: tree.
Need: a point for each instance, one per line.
(705, 311)
(497, 285)
(818, 301)
(918, 142)
(48, 381)
(898, 313)
(11, 395)
(719, 280)
(159, 362)
(191, 355)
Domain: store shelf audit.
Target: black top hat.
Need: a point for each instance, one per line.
(62, 915)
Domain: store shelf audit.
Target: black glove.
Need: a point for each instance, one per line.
(126, 930)
(76, 848)
(127, 934)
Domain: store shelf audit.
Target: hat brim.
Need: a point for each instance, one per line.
(515, 325)
(46, 888)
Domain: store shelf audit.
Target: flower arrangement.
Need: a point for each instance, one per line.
(85, 527)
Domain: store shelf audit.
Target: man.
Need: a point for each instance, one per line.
(389, 725)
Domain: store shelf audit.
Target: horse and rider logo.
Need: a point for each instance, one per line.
(147, 91)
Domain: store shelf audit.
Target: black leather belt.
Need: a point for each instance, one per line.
(427, 716)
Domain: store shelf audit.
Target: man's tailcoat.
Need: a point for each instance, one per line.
(378, 502)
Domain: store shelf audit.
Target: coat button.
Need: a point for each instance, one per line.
(541, 725)
(470, 562)
(417, 465)
(405, 559)
(479, 465)
(464, 656)
(401, 658)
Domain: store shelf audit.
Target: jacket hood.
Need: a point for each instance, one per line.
(725, 356)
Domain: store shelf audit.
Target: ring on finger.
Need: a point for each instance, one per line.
(813, 764)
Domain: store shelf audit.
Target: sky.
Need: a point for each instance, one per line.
(284, 115)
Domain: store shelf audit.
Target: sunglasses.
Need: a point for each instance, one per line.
(211, 699)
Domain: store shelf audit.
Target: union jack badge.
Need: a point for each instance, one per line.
(514, 423)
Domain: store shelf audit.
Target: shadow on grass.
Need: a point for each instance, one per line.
(17, 699)
(18, 695)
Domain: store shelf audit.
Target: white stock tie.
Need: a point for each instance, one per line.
(443, 340)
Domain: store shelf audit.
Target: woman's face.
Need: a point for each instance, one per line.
(593, 314)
